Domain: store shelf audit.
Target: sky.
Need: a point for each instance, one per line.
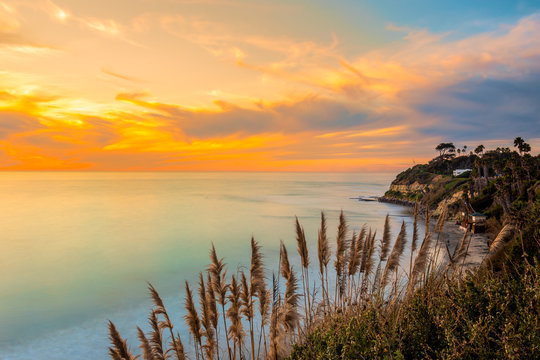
(232, 85)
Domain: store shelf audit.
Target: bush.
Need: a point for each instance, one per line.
(484, 316)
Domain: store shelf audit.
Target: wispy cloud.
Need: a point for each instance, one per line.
(8, 19)
(121, 76)
(95, 105)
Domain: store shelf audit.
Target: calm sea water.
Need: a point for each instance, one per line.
(78, 248)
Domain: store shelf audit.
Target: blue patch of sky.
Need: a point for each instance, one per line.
(458, 18)
(442, 16)
(482, 108)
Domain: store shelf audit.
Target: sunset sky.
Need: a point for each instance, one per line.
(262, 85)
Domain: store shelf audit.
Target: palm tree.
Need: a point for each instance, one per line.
(525, 148)
(479, 149)
(518, 142)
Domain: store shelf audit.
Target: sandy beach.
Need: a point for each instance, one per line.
(451, 234)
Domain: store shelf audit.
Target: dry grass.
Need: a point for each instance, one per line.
(356, 286)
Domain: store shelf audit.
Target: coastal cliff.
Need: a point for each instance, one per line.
(486, 311)
(500, 183)
(438, 191)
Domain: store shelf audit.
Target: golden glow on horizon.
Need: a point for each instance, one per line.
(175, 86)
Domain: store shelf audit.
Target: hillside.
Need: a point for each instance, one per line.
(368, 298)
(492, 312)
(502, 184)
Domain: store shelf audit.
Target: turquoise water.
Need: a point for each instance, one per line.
(78, 248)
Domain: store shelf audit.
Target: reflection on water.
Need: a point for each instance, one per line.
(78, 248)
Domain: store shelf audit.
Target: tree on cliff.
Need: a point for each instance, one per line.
(522, 146)
(445, 149)
(479, 149)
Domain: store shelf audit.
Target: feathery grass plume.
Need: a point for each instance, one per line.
(322, 246)
(323, 250)
(341, 251)
(192, 320)
(274, 319)
(156, 338)
(363, 262)
(377, 277)
(220, 287)
(359, 251)
(212, 309)
(236, 330)
(302, 244)
(284, 318)
(284, 266)
(289, 315)
(304, 257)
(160, 310)
(256, 273)
(147, 352)
(420, 262)
(247, 298)
(360, 245)
(438, 228)
(369, 250)
(365, 251)
(245, 295)
(352, 265)
(264, 308)
(114, 355)
(502, 237)
(179, 349)
(156, 299)
(395, 256)
(370, 253)
(206, 320)
(415, 228)
(414, 237)
(119, 348)
(386, 239)
(341, 242)
(258, 283)
(290, 303)
(211, 299)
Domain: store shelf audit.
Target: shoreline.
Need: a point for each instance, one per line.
(477, 246)
(388, 200)
(451, 234)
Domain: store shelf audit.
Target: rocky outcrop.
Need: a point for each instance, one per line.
(390, 200)
(449, 203)
(415, 187)
(407, 189)
(440, 192)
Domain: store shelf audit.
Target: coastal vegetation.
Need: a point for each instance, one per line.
(361, 299)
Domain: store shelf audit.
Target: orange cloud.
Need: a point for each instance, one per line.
(216, 96)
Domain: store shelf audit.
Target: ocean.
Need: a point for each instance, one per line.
(78, 248)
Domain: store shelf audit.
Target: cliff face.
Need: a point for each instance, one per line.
(409, 189)
(450, 203)
(406, 187)
(435, 190)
